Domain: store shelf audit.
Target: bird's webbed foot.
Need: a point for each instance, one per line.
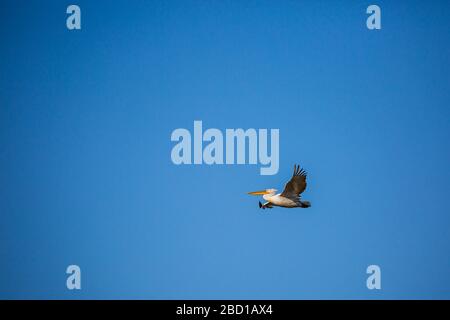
(265, 205)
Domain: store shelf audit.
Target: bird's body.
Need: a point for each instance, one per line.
(280, 201)
(290, 197)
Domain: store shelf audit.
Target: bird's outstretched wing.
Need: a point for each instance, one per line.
(296, 185)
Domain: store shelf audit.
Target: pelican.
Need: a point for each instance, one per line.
(290, 197)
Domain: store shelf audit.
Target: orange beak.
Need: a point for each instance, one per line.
(258, 193)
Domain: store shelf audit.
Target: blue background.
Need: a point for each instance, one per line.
(86, 176)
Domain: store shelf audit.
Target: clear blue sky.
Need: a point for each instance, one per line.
(86, 176)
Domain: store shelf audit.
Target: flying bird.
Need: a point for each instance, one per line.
(290, 197)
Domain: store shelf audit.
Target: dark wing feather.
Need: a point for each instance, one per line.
(296, 185)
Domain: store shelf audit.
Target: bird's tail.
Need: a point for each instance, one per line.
(305, 204)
